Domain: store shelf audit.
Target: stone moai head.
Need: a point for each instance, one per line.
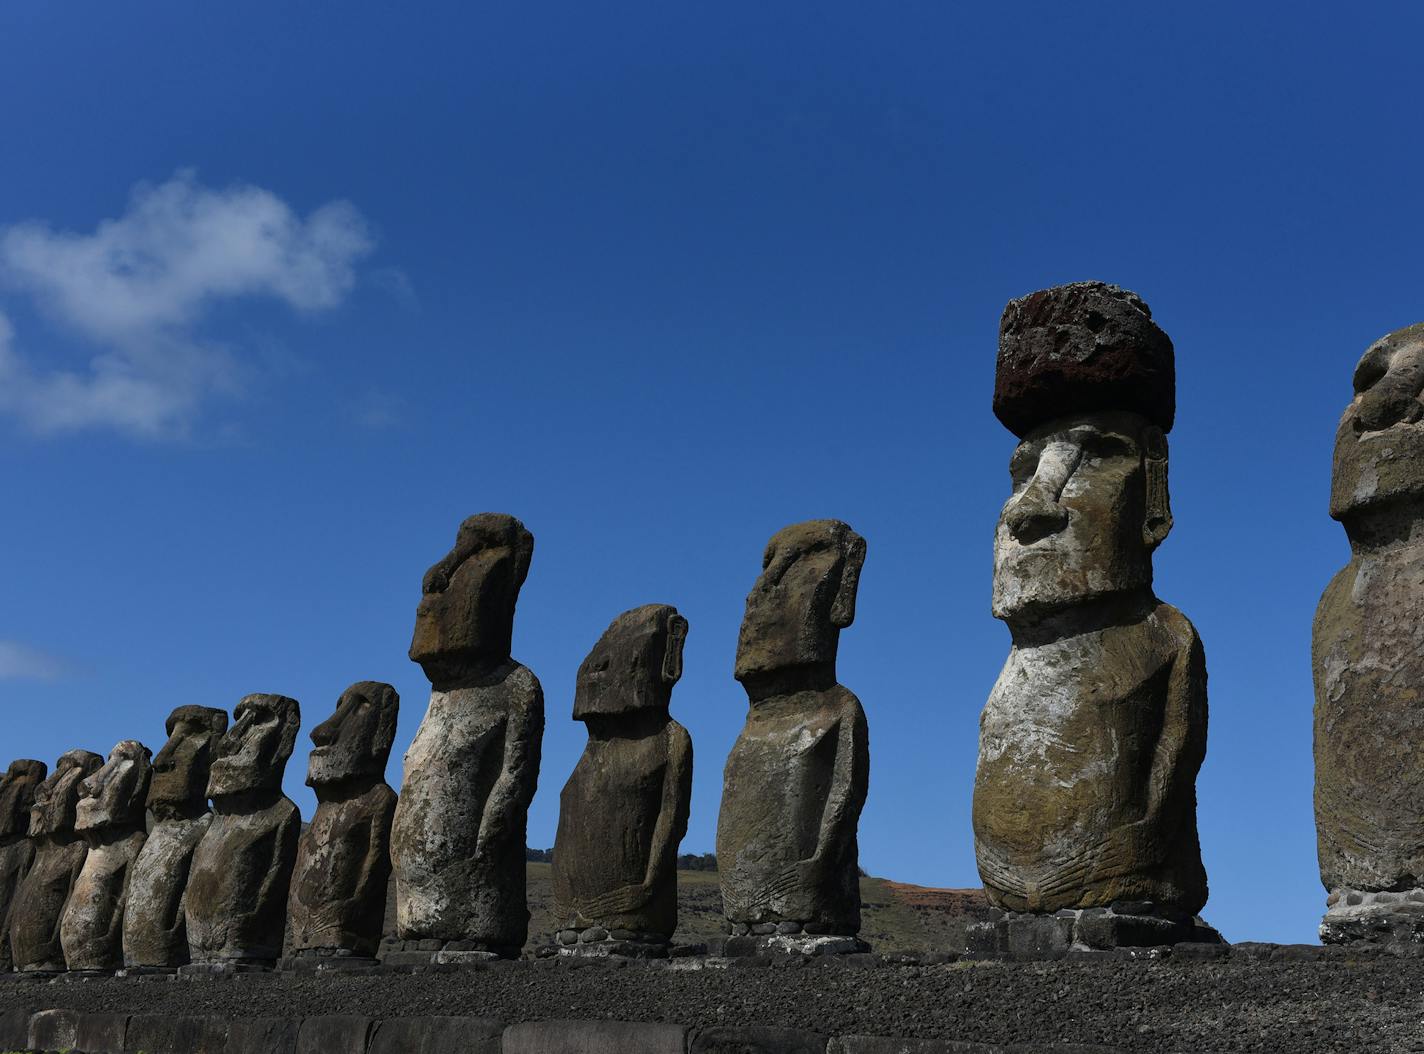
(182, 767)
(57, 798)
(634, 665)
(114, 796)
(1378, 479)
(465, 620)
(803, 599)
(253, 753)
(17, 794)
(1087, 382)
(355, 741)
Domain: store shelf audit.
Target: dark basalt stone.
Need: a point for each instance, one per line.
(17, 852)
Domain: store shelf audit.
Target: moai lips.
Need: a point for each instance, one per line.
(457, 841)
(624, 810)
(797, 777)
(236, 903)
(39, 903)
(338, 898)
(17, 852)
(1368, 658)
(110, 817)
(155, 932)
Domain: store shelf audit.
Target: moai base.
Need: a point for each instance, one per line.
(1123, 924)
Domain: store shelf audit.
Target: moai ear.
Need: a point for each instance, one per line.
(843, 608)
(1157, 522)
(672, 657)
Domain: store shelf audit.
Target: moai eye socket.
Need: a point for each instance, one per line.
(1371, 369)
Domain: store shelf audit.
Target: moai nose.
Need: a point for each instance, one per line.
(1034, 516)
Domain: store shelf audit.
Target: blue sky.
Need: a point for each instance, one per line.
(287, 291)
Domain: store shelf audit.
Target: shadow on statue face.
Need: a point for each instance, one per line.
(356, 740)
(17, 794)
(116, 793)
(57, 798)
(1079, 525)
(634, 665)
(182, 767)
(1379, 446)
(253, 753)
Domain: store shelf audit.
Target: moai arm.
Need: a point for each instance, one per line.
(850, 777)
(676, 806)
(519, 770)
(376, 867)
(284, 855)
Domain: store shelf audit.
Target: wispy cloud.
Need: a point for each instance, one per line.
(137, 288)
(20, 661)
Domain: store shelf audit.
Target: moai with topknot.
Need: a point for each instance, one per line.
(236, 903)
(1089, 746)
(1368, 658)
(458, 838)
(155, 935)
(17, 852)
(110, 818)
(39, 903)
(338, 901)
(624, 810)
(797, 777)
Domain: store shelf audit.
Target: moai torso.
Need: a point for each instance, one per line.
(457, 842)
(236, 900)
(1368, 656)
(17, 852)
(1090, 742)
(111, 820)
(796, 779)
(59, 855)
(338, 899)
(155, 928)
(624, 810)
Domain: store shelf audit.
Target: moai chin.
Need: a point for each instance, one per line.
(1368, 658)
(624, 810)
(110, 818)
(236, 902)
(457, 843)
(39, 903)
(796, 778)
(338, 901)
(155, 933)
(1089, 745)
(17, 852)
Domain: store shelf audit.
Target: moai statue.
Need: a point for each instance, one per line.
(17, 852)
(797, 776)
(1085, 793)
(155, 929)
(458, 839)
(39, 903)
(1369, 659)
(623, 812)
(338, 902)
(236, 904)
(110, 817)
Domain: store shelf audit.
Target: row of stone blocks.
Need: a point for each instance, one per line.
(71, 1031)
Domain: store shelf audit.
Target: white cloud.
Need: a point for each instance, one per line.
(137, 287)
(21, 661)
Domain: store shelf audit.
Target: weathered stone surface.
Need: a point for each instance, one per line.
(624, 810)
(1368, 656)
(110, 818)
(236, 902)
(338, 900)
(756, 1039)
(54, 1030)
(1082, 348)
(594, 1037)
(161, 1034)
(334, 1034)
(39, 902)
(262, 1035)
(457, 842)
(797, 776)
(101, 1033)
(437, 1035)
(1092, 737)
(17, 795)
(155, 929)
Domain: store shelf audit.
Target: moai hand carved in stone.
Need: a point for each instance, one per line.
(1368, 656)
(458, 838)
(236, 902)
(624, 810)
(1089, 746)
(338, 901)
(17, 852)
(797, 777)
(155, 927)
(110, 818)
(39, 903)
